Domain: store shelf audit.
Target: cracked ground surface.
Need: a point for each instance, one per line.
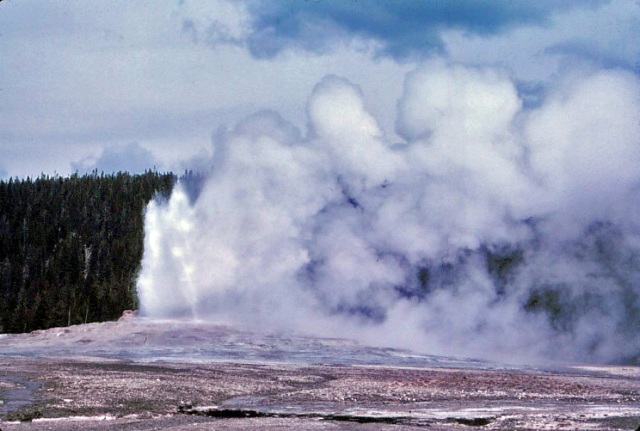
(44, 386)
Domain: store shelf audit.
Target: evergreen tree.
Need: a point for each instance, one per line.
(71, 248)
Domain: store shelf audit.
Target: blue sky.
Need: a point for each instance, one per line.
(132, 85)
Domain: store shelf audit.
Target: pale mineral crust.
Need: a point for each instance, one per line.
(130, 391)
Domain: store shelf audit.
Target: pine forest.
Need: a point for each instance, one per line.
(71, 248)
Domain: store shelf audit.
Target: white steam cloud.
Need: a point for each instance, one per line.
(493, 230)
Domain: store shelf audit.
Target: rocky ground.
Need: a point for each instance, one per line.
(52, 380)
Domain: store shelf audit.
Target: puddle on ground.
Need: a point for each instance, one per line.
(21, 392)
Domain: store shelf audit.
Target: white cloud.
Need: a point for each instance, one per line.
(584, 142)
(347, 208)
(78, 77)
(131, 158)
(303, 232)
(606, 35)
(112, 73)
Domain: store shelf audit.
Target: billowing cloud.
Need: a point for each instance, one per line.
(76, 78)
(466, 168)
(493, 230)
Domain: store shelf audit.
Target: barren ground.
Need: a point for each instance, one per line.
(135, 375)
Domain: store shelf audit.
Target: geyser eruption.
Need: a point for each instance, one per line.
(493, 230)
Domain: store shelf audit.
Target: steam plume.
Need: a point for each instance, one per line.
(492, 230)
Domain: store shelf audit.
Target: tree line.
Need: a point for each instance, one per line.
(71, 248)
